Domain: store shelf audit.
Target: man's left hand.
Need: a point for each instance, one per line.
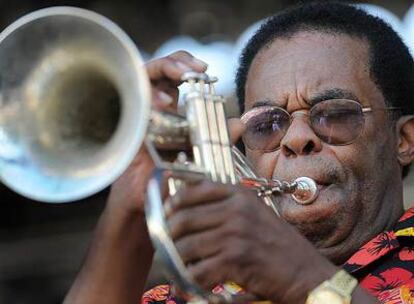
(226, 233)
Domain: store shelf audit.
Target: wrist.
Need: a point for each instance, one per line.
(118, 211)
(125, 226)
(307, 279)
(126, 203)
(337, 290)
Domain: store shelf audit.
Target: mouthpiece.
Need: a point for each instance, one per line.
(305, 190)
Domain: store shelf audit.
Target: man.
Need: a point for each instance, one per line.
(327, 91)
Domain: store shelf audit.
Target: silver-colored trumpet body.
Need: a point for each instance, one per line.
(75, 108)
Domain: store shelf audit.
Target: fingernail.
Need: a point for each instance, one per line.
(182, 66)
(165, 98)
(199, 62)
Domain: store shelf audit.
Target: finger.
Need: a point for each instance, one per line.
(161, 100)
(166, 68)
(195, 247)
(196, 219)
(174, 66)
(196, 64)
(200, 193)
(236, 129)
(209, 272)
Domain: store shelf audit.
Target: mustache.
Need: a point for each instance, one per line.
(316, 167)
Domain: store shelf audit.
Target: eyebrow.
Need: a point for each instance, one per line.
(335, 93)
(261, 103)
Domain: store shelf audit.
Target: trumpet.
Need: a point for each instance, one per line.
(75, 108)
(214, 158)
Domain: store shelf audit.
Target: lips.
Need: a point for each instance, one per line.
(322, 186)
(325, 172)
(306, 194)
(309, 216)
(320, 181)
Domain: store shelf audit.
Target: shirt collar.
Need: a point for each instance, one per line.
(382, 244)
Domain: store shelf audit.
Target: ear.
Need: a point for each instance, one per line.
(405, 136)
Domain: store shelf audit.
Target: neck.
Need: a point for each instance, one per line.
(386, 209)
(391, 208)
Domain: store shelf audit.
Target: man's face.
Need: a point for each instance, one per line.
(360, 184)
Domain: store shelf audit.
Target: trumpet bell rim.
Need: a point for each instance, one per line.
(17, 169)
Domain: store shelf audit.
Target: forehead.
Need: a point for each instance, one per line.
(296, 69)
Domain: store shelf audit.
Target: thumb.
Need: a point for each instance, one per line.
(236, 129)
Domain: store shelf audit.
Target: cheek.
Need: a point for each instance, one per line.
(365, 161)
(263, 163)
(353, 157)
(375, 150)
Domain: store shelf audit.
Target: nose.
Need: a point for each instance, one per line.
(300, 138)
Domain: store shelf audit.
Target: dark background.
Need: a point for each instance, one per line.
(42, 245)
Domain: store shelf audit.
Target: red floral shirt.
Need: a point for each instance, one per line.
(384, 267)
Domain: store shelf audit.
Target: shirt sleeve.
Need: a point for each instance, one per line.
(393, 286)
(399, 295)
(159, 294)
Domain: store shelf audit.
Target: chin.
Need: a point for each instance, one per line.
(319, 221)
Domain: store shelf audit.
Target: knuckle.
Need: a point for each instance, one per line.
(238, 256)
(231, 189)
(202, 274)
(240, 208)
(199, 275)
(177, 199)
(180, 54)
(184, 247)
(168, 61)
(178, 224)
(208, 185)
(235, 228)
(232, 255)
(156, 62)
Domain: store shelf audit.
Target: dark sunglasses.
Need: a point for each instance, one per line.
(334, 121)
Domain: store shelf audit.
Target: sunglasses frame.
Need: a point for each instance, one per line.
(309, 114)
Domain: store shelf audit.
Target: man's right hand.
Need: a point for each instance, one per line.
(120, 255)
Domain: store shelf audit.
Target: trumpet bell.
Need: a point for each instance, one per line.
(74, 104)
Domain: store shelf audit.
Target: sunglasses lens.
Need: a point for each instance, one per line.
(265, 128)
(337, 121)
